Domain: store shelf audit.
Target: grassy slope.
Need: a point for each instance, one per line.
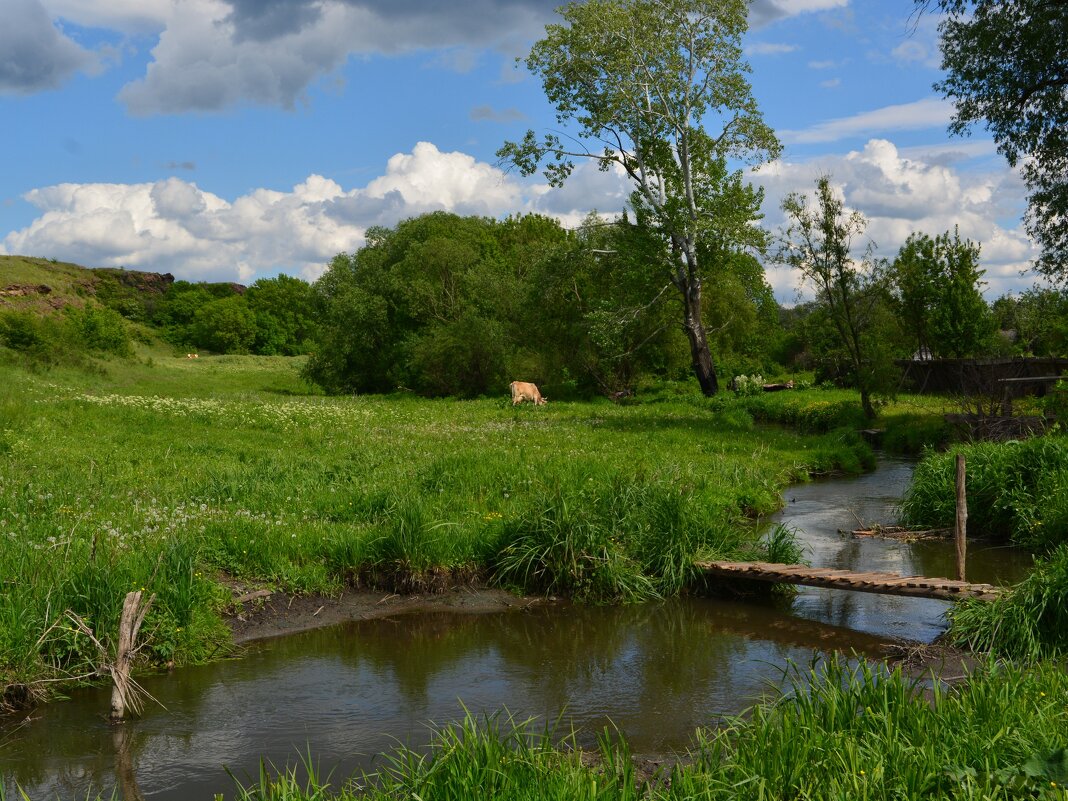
(168, 470)
(67, 281)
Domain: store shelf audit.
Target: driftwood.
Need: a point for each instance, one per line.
(252, 596)
(901, 533)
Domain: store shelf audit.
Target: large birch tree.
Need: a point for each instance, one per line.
(658, 89)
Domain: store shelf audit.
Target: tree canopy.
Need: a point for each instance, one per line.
(1007, 67)
(935, 283)
(638, 81)
(818, 241)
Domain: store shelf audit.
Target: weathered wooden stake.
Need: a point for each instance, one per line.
(962, 516)
(123, 692)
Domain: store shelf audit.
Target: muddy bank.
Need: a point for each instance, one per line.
(277, 614)
(260, 614)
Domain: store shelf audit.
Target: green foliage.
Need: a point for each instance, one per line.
(67, 338)
(818, 242)
(226, 325)
(915, 433)
(1040, 319)
(1016, 490)
(812, 412)
(936, 289)
(284, 308)
(606, 70)
(97, 329)
(1028, 622)
(175, 311)
(1007, 69)
(420, 306)
(444, 305)
(747, 385)
(742, 315)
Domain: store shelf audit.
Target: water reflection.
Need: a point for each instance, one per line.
(347, 694)
(657, 672)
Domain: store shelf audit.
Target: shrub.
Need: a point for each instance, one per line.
(97, 329)
(226, 325)
(748, 384)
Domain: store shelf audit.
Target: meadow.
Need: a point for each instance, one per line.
(186, 477)
(182, 476)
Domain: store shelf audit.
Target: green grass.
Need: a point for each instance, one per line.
(1016, 490)
(910, 423)
(168, 473)
(1028, 622)
(841, 732)
(65, 280)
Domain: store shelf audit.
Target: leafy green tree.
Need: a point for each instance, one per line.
(225, 325)
(640, 80)
(1040, 319)
(405, 310)
(96, 328)
(743, 317)
(356, 340)
(284, 310)
(623, 316)
(936, 285)
(1007, 68)
(818, 242)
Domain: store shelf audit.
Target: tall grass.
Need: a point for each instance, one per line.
(1016, 490)
(1028, 622)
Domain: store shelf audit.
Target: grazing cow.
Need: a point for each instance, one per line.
(525, 391)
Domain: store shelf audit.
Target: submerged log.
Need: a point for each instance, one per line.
(902, 533)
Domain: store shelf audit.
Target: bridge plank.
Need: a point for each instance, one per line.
(876, 582)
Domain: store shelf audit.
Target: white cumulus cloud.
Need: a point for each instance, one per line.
(176, 226)
(904, 192)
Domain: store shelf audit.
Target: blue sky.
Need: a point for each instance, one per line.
(235, 139)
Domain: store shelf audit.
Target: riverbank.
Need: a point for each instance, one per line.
(163, 473)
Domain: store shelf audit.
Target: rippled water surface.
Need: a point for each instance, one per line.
(351, 692)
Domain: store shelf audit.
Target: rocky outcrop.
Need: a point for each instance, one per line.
(146, 283)
(25, 290)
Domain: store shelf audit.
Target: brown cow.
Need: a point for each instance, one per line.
(525, 391)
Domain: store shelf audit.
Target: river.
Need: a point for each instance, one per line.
(349, 693)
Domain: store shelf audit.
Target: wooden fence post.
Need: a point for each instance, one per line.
(962, 516)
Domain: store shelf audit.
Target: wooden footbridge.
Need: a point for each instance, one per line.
(883, 583)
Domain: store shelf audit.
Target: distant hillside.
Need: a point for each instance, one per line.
(29, 284)
(107, 309)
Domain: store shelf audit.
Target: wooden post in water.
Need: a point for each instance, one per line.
(124, 690)
(962, 516)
